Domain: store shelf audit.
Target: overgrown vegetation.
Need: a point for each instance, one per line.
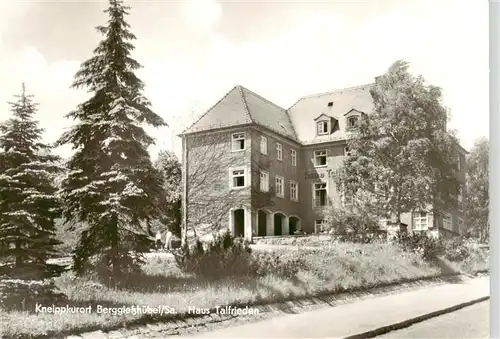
(223, 257)
(273, 275)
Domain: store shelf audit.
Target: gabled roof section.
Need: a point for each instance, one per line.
(353, 111)
(303, 112)
(323, 115)
(241, 106)
(229, 111)
(265, 113)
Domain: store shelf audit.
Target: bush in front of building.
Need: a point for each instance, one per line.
(420, 243)
(456, 249)
(352, 224)
(224, 256)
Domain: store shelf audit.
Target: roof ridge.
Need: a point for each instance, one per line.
(275, 105)
(262, 98)
(208, 110)
(245, 104)
(331, 92)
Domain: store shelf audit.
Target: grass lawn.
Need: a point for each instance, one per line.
(338, 268)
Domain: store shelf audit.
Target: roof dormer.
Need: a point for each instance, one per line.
(325, 124)
(352, 118)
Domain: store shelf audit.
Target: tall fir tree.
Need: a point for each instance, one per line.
(401, 153)
(111, 184)
(28, 200)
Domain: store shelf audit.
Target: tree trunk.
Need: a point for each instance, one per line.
(184, 243)
(19, 259)
(115, 262)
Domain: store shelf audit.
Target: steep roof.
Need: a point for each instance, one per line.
(334, 104)
(242, 106)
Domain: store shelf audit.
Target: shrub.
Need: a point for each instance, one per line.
(224, 256)
(23, 295)
(352, 224)
(283, 265)
(456, 249)
(420, 243)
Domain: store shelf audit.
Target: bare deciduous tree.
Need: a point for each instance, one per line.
(209, 194)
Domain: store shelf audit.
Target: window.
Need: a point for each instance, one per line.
(460, 225)
(264, 181)
(330, 104)
(322, 127)
(320, 197)
(263, 144)
(294, 191)
(279, 151)
(420, 221)
(459, 162)
(238, 142)
(280, 186)
(237, 178)
(352, 122)
(447, 221)
(293, 157)
(320, 225)
(319, 158)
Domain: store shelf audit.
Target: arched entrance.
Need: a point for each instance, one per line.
(239, 222)
(261, 223)
(278, 223)
(293, 225)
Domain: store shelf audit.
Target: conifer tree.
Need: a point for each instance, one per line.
(28, 200)
(111, 184)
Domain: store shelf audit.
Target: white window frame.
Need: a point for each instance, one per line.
(279, 151)
(447, 220)
(235, 138)
(264, 181)
(293, 157)
(314, 193)
(263, 145)
(325, 126)
(421, 222)
(280, 193)
(232, 176)
(351, 118)
(316, 156)
(294, 191)
(319, 224)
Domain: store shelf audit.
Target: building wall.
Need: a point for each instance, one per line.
(273, 166)
(209, 159)
(312, 174)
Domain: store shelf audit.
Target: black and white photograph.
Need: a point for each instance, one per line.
(244, 169)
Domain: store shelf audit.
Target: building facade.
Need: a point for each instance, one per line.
(261, 170)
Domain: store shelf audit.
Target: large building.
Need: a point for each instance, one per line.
(262, 170)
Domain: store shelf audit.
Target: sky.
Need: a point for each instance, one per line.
(193, 52)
